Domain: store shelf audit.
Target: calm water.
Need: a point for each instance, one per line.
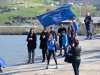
(13, 48)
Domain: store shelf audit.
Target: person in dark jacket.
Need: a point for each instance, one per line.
(71, 35)
(60, 30)
(54, 35)
(43, 42)
(76, 52)
(31, 39)
(88, 20)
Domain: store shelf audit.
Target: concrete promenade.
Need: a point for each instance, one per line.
(90, 63)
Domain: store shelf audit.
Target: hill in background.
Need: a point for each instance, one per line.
(15, 12)
(85, 1)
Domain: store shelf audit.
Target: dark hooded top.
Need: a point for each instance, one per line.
(31, 43)
(43, 41)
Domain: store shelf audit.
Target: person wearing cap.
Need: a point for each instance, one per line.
(88, 20)
(31, 39)
(43, 43)
(60, 30)
(54, 35)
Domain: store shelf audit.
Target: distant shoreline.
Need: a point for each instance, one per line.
(18, 34)
(19, 30)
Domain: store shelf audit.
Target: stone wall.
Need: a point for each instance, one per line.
(18, 30)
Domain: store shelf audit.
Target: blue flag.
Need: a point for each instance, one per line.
(56, 16)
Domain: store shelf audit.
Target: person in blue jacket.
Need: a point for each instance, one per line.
(54, 35)
(75, 24)
(51, 50)
(64, 42)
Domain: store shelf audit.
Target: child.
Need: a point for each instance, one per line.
(51, 50)
(54, 35)
(64, 43)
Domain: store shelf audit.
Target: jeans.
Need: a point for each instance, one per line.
(89, 30)
(65, 50)
(76, 64)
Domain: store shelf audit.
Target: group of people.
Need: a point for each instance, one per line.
(67, 39)
(48, 41)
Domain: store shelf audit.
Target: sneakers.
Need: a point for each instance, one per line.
(60, 54)
(89, 38)
(47, 67)
(56, 67)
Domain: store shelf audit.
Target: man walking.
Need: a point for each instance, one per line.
(88, 25)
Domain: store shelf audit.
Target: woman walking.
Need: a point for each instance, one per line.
(51, 50)
(43, 43)
(76, 52)
(31, 39)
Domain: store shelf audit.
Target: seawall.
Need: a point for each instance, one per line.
(18, 30)
(24, 30)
